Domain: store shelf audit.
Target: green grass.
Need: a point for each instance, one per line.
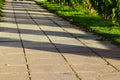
(1, 5)
(91, 22)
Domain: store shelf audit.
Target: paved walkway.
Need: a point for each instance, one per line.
(38, 45)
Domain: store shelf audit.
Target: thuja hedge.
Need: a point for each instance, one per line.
(108, 9)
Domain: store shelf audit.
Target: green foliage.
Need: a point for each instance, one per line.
(108, 9)
(1, 5)
(116, 13)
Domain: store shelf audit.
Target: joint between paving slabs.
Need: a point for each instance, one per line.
(27, 65)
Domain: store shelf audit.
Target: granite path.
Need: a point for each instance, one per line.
(38, 45)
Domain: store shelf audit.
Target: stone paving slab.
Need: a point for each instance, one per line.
(115, 62)
(97, 76)
(36, 44)
(84, 60)
(42, 51)
(93, 68)
(44, 55)
(50, 68)
(14, 45)
(8, 25)
(12, 59)
(10, 50)
(34, 61)
(34, 38)
(11, 29)
(15, 76)
(111, 76)
(13, 68)
(53, 76)
(28, 28)
(9, 36)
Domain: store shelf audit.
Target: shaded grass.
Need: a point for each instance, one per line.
(90, 22)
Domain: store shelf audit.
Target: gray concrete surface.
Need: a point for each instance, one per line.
(38, 45)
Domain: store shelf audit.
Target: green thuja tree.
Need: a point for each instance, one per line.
(103, 7)
(108, 9)
(116, 13)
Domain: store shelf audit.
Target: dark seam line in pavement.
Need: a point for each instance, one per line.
(55, 46)
(108, 63)
(28, 69)
(63, 57)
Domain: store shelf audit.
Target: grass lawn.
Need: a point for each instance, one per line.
(91, 22)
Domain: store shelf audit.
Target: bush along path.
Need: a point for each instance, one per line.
(89, 20)
(1, 5)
